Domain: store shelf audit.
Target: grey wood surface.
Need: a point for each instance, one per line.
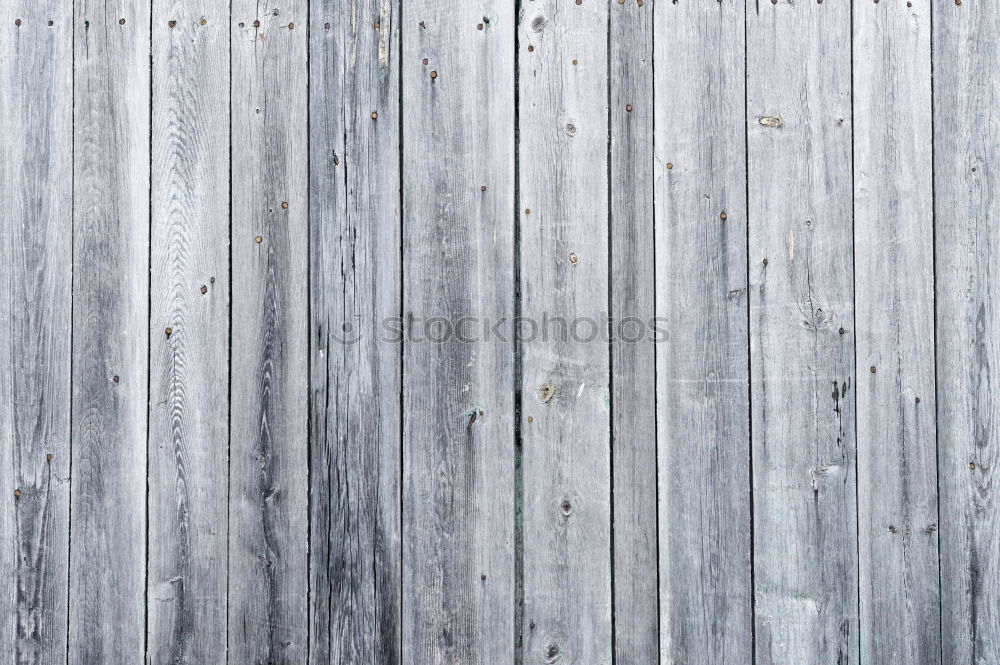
(189, 368)
(894, 303)
(802, 332)
(111, 165)
(458, 396)
(966, 145)
(565, 381)
(36, 248)
(355, 233)
(261, 269)
(633, 356)
(703, 436)
(268, 506)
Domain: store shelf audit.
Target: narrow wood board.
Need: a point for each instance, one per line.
(36, 271)
(802, 332)
(458, 397)
(702, 372)
(894, 266)
(189, 367)
(633, 360)
(107, 592)
(355, 277)
(966, 146)
(565, 377)
(268, 510)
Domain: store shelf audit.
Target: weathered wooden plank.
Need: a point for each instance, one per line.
(110, 331)
(268, 512)
(36, 42)
(802, 332)
(189, 368)
(701, 289)
(458, 235)
(633, 356)
(893, 254)
(355, 222)
(966, 147)
(563, 218)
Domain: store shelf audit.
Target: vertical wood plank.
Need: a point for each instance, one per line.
(458, 198)
(563, 217)
(110, 331)
(189, 368)
(966, 147)
(802, 332)
(355, 222)
(35, 312)
(268, 534)
(701, 289)
(897, 474)
(633, 358)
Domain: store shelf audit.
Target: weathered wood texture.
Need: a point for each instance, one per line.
(633, 358)
(36, 73)
(260, 395)
(802, 332)
(268, 511)
(703, 435)
(110, 337)
(189, 368)
(355, 227)
(458, 395)
(565, 382)
(966, 148)
(894, 303)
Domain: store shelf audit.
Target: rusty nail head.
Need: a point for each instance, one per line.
(115, 378)
(573, 258)
(258, 240)
(482, 188)
(203, 21)
(530, 419)
(17, 493)
(434, 75)
(972, 465)
(527, 211)
(670, 165)
(872, 369)
(121, 21)
(374, 115)
(841, 331)
(764, 261)
(168, 331)
(171, 23)
(256, 23)
(204, 289)
(723, 216)
(628, 107)
(50, 457)
(284, 204)
(479, 27)
(530, 48)
(291, 26)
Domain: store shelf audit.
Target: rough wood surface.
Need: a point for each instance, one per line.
(268, 511)
(565, 382)
(189, 368)
(36, 70)
(894, 259)
(633, 359)
(458, 398)
(966, 147)
(802, 332)
(355, 226)
(110, 337)
(701, 289)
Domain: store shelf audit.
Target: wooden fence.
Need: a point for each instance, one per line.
(277, 283)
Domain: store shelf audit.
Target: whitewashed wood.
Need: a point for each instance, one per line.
(35, 310)
(701, 289)
(458, 398)
(633, 360)
(966, 147)
(355, 226)
(802, 332)
(189, 369)
(110, 331)
(268, 511)
(897, 478)
(565, 384)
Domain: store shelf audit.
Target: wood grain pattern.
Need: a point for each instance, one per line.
(802, 332)
(633, 357)
(110, 338)
(189, 368)
(35, 311)
(565, 383)
(966, 146)
(458, 401)
(268, 506)
(355, 226)
(893, 254)
(701, 288)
